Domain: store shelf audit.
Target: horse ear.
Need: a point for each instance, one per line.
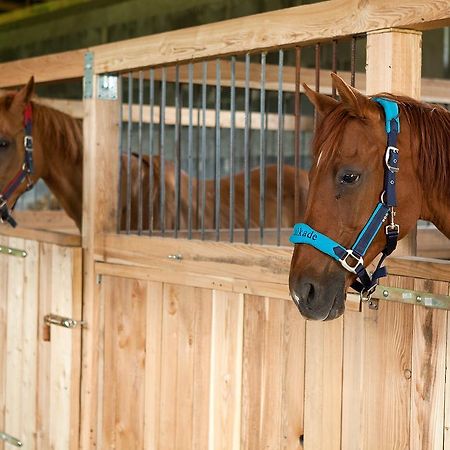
(24, 95)
(323, 103)
(351, 96)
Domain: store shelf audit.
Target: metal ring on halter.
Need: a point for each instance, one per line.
(387, 157)
(350, 253)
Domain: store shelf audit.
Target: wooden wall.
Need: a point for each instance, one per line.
(39, 368)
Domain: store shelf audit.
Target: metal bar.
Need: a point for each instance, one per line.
(334, 65)
(353, 62)
(129, 134)
(280, 146)
(10, 439)
(217, 154)
(119, 185)
(203, 151)
(177, 149)
(141, 104)
(150, 153)
(247, 149)
(317, 80)
(190, 144)
(162, 175)
(412, 297)
(262, 150)
(297, 136)
(232, 144)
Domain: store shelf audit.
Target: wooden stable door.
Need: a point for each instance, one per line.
(184, 367)
(39, 365)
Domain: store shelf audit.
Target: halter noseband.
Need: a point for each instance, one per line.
(352, 258)
(24, 173)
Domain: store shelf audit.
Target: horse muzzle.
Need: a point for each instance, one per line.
(319, 299)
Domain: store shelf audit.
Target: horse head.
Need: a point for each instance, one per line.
(346, 183)
(13, 106)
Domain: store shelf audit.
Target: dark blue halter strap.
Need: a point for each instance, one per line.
(352, 259)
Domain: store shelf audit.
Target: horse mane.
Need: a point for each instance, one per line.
(58, 131)
(429, 126)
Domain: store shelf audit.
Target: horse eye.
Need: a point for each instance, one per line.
(350, 178)
(4, 144)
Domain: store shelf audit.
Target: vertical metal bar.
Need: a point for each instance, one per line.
(162, 176)
(262, 150)
(129, 133)
(334, 65)
(151, 152)
(119, 186)
(139, 180)
(177, 149)
(232, 144)
(297, 137)
(353, 62)
(190, 144)
(317, 80)
(217, 154)
(247, 149)
(280, 146)
(203, 151)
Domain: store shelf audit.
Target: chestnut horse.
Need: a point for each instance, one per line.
(58, 160)
(346, 183)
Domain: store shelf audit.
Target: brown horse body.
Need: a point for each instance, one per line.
(347, 182)
(58, 160)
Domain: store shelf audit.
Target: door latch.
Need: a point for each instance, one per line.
(66, 322)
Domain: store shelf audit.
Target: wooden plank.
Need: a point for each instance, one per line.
(428, 372)
(376, 398)
(323, 385)
(3, 336)
(69, 240)
(21, 345)
(447, 387)
(273, 375)
(227, 328)
(417, 267)
(303, 24)
(153, 365)
(54, 67)
(124, 374)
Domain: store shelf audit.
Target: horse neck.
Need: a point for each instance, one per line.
(60, 140)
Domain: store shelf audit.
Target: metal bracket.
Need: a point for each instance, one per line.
(88, 74)
(66, 322)
(13, 251)
(107, 87)
(10, 439)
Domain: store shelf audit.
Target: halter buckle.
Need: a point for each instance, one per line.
(366, 295)
(28, 143)
(392, 227)
(358, 261)
(387, 157)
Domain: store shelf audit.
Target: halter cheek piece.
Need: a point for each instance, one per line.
(352, 258)
(23, 174)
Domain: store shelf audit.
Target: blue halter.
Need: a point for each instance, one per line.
(352, 258)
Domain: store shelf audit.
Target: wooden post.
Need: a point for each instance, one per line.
(394, 61)
(100, 182)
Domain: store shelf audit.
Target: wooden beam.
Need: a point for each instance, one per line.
(287, 27)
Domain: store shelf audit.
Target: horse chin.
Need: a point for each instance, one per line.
(328, 303)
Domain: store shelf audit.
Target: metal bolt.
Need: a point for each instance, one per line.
(385, 293)
(419, 299)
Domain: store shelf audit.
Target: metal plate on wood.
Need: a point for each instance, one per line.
(107, 87)
(66, 322)
(430, 300)
(13, 251)
(88, 74)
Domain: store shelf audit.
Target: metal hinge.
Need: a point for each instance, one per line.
(10, 439)
(13, 251)
(66, 322)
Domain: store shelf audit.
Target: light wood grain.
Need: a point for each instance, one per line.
(304, 24)
(428, 372)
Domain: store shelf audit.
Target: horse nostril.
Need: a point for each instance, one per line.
(303, 293)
